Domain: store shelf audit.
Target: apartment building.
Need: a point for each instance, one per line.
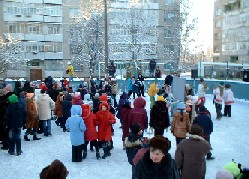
(44, 31)
(38, 26)
(231, 27)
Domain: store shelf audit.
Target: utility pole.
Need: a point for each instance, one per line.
(106, 40)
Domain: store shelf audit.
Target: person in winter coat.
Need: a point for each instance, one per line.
(45, 105)
(202, 89)
(70, 71)
(66, 110)
(114, 92)
(96, 103)
(122, 100)
(14, 120)
(152, 91)
(104, 121)
(204, 120)
(181, 123)
(144, 148)
(27, 88)
(190, 154)
(135, 85)
(157, 162)
(90, 134)
(152, 67)
(138, 114)
(76, 126)
(32, 117)
(58, 109)
(133, 143)
(228, 100)
(159, 116)
(218, 97)
(141, 85)
(125, 112)
(158, 72)
(129, 86)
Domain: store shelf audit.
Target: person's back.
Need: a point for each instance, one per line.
(190, 154)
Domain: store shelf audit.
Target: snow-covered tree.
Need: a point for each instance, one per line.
(11, 57)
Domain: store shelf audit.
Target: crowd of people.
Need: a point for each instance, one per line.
(90, 112)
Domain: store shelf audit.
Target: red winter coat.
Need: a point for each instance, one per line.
(138, 114)
(88, 117)
(125, 111)
(104, 121)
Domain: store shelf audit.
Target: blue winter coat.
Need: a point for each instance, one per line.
(76, 126)
(129, 84)
(205, 122)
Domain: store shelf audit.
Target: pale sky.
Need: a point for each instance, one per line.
(203, 9)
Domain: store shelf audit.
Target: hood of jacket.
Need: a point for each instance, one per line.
(76, 110)
(139, 103)
(104, 104)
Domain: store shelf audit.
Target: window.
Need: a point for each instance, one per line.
(169, 48)
(54, 29)
(53, 65)
(217, 36)
(14, 28)
(33, 28)
(218, 12)
(168, 33)
(217, 24)
(170, 16)
(168, 2)
(234, 59)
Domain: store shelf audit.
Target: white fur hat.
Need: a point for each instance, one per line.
(69, 63)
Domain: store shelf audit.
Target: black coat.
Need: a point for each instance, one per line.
(66, 106)
(147, 169)
(159, 116)
(15, 116)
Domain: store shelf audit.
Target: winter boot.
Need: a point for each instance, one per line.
(97, 155)
(84, 155)
(26, 138)
(108, 153)
(105, 154)
(35, 137)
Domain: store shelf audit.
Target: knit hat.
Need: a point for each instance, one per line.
(160, 98)
(181, 105)
(196, 130)
(96, 95)
(161, 143)
(13, 99)
(221, 83)
(223, 174)
(135, 128)
(103, 97)
(156, 80)
(202, 109)
(145, 142)
(77, 100)
(76, 110)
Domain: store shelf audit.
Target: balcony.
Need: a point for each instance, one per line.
(53, 55)
(53, 38)
(53, 19)
(34, 37)
(53, 2)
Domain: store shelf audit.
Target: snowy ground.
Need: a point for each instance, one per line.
(228, 141)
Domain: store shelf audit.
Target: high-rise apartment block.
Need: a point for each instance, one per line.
(231, 31)
(43, 29)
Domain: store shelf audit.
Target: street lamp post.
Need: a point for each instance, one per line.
(106, 40)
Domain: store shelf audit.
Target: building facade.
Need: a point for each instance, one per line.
(231, 27)
(136, 32)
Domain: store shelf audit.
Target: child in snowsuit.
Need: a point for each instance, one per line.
(90, 134)
(76, 126)
(104, 121)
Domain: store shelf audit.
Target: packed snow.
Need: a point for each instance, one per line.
(229, 141)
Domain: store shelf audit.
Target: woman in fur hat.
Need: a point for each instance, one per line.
(181, 123)
(157, 162)
(190, 154)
